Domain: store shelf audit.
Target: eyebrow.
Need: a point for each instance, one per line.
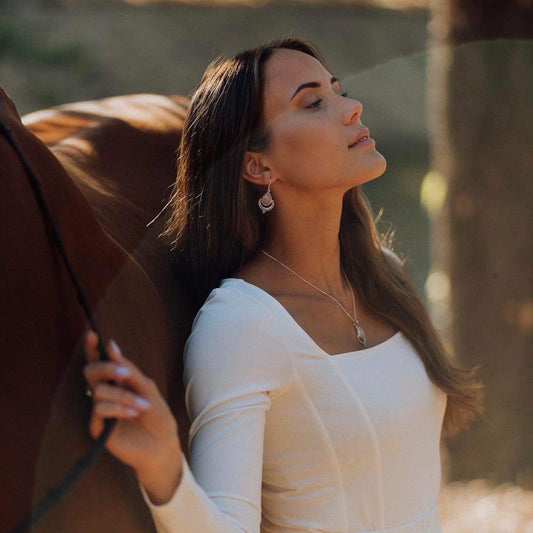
(311, 84)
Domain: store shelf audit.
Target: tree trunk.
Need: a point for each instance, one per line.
(481, 127)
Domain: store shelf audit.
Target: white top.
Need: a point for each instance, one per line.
(287, 438)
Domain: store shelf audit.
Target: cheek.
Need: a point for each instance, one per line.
(307, 141)
(307, 158)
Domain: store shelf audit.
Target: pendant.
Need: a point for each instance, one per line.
(361, 337)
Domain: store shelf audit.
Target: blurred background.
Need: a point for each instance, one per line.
(446, 88)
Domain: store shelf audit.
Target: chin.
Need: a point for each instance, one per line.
(378, 167)
(383, 165)
(376, 170)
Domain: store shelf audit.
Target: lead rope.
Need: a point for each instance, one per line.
(57, 493)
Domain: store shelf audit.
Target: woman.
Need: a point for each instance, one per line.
(316, 385)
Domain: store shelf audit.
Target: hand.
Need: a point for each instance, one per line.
(146, 434)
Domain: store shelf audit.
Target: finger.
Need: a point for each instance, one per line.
(91, 346)
(113, 410)
(111, 393)
(115, 353)
(103, 410)
(136, 380)
(99, 371)
(125, 374)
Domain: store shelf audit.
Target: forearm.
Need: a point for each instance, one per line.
(191, 510)
(160, 485)
(161, 479)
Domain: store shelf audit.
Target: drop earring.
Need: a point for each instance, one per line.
(266, 203)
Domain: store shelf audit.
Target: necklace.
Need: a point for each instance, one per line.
(359, 332)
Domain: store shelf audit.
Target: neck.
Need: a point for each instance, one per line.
(306, 239)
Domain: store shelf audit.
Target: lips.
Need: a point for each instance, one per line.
(362, 132)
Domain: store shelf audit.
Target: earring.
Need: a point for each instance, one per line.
(266, 203)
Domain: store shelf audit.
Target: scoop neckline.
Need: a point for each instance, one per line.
(280, 307)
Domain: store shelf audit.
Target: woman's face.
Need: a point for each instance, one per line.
(313, 127)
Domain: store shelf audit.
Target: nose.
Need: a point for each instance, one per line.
(355, 110)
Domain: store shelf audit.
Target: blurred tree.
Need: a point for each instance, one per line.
(480, 199)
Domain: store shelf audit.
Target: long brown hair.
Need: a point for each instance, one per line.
(215, 226)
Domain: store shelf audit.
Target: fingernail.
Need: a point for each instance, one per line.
(141, 402)
(122, 371)
(131, 411)
(115, 347)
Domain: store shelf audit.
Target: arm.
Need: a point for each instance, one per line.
(228, 377)
(228, 500)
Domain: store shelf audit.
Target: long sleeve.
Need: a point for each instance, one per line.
(230, 375)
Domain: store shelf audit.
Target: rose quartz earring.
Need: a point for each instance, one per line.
(266, 203)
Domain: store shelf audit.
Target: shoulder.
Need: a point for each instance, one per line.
(392, 257)
(234, 341)
(397, 269)
(229, 311)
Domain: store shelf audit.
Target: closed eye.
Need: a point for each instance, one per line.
(314, 105)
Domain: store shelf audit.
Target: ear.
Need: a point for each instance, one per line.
(254, 169)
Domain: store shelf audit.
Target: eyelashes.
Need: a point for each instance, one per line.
(317, 103)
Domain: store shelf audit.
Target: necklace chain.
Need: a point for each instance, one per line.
(361, 337)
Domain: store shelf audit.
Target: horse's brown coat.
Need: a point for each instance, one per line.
(105, 171)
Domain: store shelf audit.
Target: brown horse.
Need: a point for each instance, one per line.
(105, 169)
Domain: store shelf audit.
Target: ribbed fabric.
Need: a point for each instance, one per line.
(286, 438)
